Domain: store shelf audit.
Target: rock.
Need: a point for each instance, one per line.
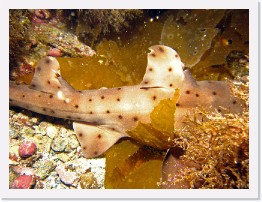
(13, 133)
(63, 157)
(59, 144)
(44, 168)
(24, 182)
(88, 181)
(27, 149)
(51, 131)
(67, 177)
(24, 170)
(55, 52)
(43, 144)
(72, 143)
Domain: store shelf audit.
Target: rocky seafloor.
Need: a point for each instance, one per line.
(55, 162)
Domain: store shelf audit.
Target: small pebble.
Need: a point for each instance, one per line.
(55, 52)
(23, 170)
(67, 177)
(51, 131)
(59, 144)
(24, 182)
(27, 149)
(88, 181)
(44, 168)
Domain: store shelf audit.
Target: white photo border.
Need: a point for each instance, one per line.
(251, 193)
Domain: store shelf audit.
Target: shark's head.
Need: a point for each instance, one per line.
(164, 68)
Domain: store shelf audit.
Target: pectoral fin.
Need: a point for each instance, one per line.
(95, 140)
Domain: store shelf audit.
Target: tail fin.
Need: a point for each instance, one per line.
(164, 68)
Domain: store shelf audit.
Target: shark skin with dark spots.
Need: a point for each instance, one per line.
(103, 116)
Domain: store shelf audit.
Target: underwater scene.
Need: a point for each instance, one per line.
(128, 99)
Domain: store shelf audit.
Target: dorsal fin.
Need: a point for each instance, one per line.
(164, 68)
(46, 76)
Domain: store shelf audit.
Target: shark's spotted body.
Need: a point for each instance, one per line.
(103, 116)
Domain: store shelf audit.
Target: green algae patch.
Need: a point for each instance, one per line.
(130, 165)
(27, 78)
(90, 73)
(128, 52)
(119, 61)
(162, 117)
(121, 151)
(191, 32)
(159, 133)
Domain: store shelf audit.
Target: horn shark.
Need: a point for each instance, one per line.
(103, 116)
